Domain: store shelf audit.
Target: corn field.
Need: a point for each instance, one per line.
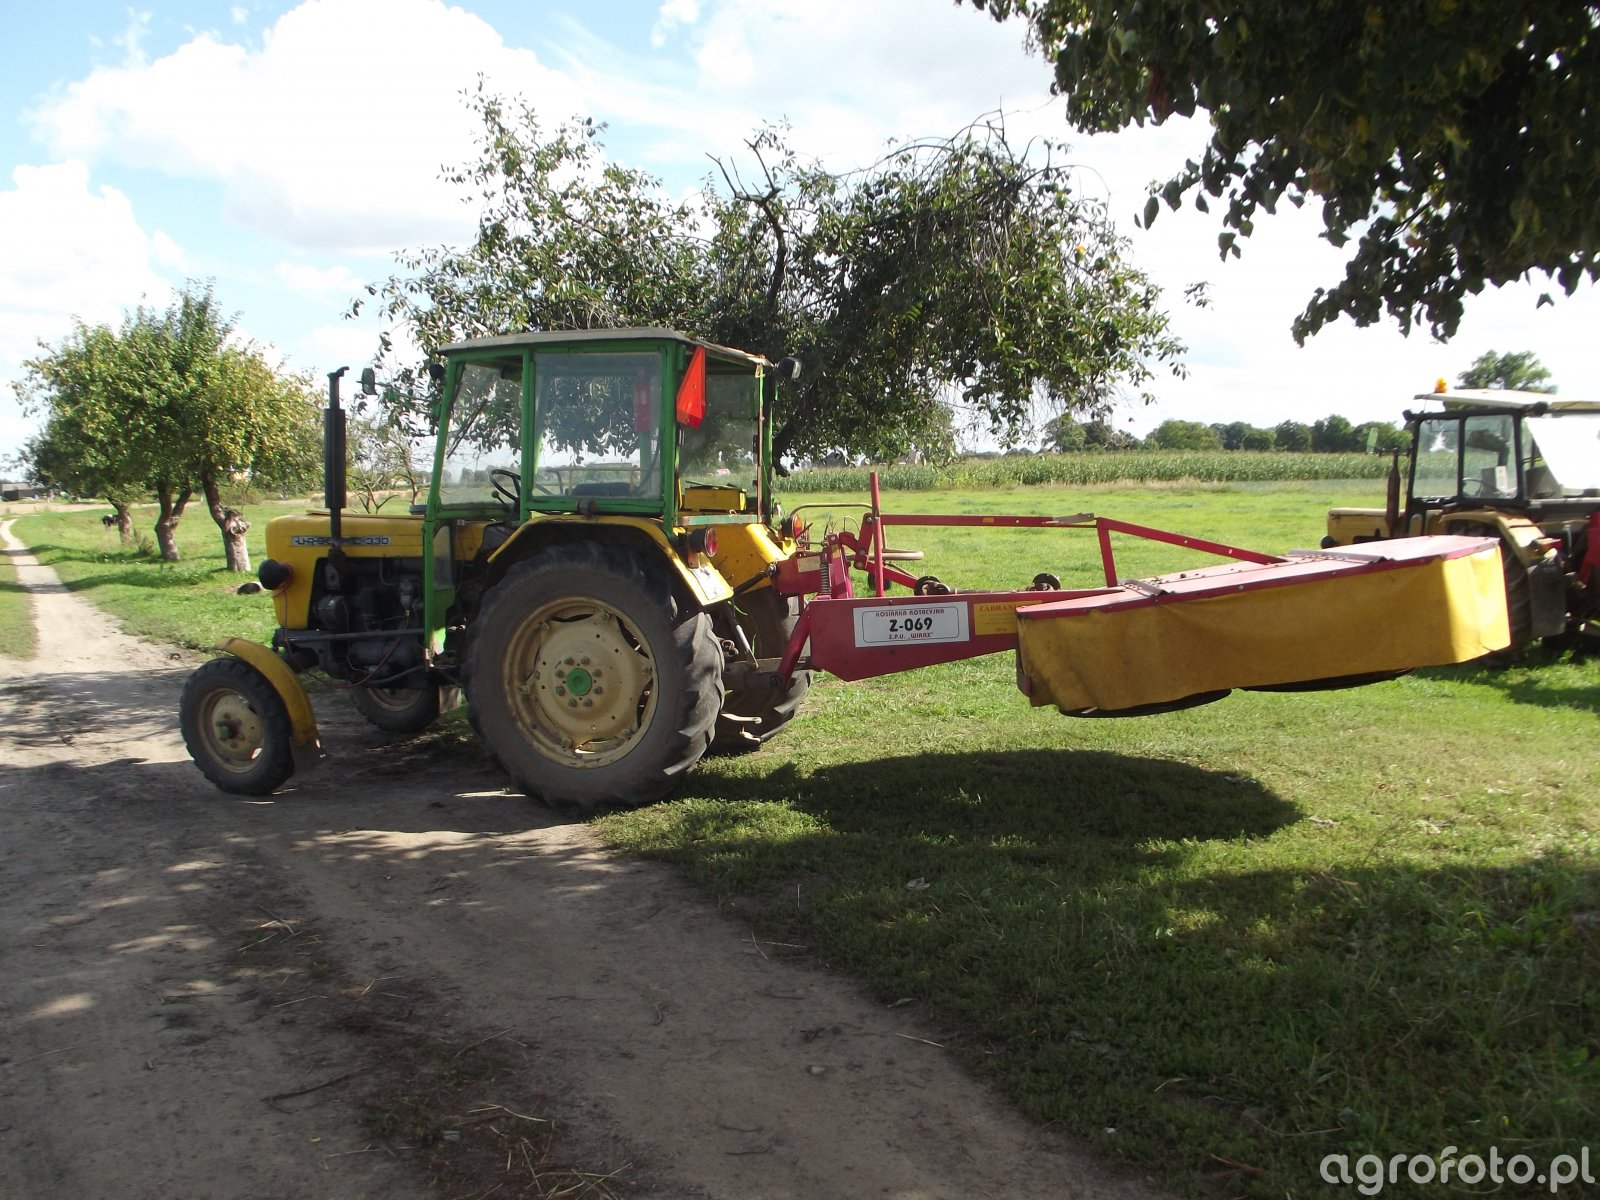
(1159, 466)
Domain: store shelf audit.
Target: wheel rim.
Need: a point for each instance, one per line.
(580, 682)
(394, 699)
(232, 730)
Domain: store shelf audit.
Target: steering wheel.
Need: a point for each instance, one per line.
(507, 487)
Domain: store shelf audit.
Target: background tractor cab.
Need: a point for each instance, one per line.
(1522, 467)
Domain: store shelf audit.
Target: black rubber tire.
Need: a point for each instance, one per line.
(1519, 602)
(664, 666)
(767, 620)
(237, 728)
(397, 710)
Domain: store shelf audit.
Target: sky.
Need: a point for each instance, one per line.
(286, 151)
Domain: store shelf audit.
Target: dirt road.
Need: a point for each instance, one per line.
(397, 980)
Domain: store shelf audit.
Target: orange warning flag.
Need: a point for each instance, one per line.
(692, 391)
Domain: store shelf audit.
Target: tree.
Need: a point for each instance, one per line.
(1258, 439)
(1065, 435)
(1184, 435)
(168, 404)
(955, 266)
(79, 449)
(1294, 436)
(383, 460)
(1519, 370)
(1458, 140)
(1334, 435)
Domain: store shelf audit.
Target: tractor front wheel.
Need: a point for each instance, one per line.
(236, 728)
(587, 682)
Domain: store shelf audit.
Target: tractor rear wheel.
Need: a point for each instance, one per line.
(397, 710)
(236, 728)
(587, 682)
(750, 716)
(1519, 602)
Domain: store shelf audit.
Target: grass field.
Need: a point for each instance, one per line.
(192, 602)
(16, 618)
(1220, 943)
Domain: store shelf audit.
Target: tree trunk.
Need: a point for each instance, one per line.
(233, 525)
(123, 522)
(167, 523)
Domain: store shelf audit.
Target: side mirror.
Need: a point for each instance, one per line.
(369, 382)
(436, 371)
(788, 368)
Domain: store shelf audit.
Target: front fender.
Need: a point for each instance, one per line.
(302, 721)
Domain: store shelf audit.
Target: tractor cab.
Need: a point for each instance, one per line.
(1505, 448)
(641, 422)
(1522, 467)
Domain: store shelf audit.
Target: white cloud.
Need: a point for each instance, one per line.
(673, 13)
(336, 283)
(67, 250)
(331, 134)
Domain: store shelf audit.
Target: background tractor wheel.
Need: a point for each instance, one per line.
(236, 728)
(767, 619)
(397, 710)
(1519, 602)
(587, 683)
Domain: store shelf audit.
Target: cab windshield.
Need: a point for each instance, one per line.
(599, 424)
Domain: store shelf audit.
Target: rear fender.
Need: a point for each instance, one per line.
(1526, 540)
(695, 582)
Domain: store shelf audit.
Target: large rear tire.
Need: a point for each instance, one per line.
(587, 683)
(237, 728)
(1519, 601)
(397, 710)
(751, 716)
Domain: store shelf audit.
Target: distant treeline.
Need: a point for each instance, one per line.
(1330, 435)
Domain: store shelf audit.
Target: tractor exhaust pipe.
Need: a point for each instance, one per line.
(333, 464)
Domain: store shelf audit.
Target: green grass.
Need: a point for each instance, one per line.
(1220, 943)
(192, 602)
(16, 614)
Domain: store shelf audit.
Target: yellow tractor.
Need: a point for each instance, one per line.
(593, 567)
(1520, 467)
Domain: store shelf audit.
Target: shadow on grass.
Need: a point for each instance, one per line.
(1021, 797)
(1544, 679)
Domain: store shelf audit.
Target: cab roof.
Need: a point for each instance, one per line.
(549, 337)
(1458, 398)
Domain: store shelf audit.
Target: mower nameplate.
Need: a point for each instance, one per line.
(904, 623)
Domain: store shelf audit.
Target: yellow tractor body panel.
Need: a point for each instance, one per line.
(302, 720)
(1347, 526)
(745, 552)
(302, 540)
(1442, 608)
(711, 498)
